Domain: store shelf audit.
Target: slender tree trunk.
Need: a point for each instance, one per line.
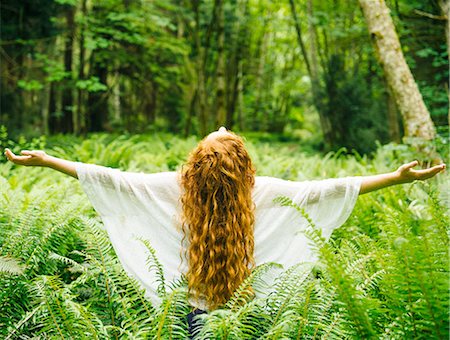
(312, 41)
(116, 102)
(150, 102)
(445, 9)
(315, 83)
(236, 80)
(220, 107)
(201, 60)
(187, 127)
(416, 118)
(97, 102)
(125, 106)
(67, 96)
(260, 73)
(80, 120)
(201, 96)
(52, 108)
(44, 108)
(240, 99)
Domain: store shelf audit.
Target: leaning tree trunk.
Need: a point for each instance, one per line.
(416, 118)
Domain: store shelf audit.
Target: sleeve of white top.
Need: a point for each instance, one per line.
(330, 202)
(115, 192)
(327, 202)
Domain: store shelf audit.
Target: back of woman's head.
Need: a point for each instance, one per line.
(218, 217)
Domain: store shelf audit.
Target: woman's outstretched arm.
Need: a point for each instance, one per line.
(40, 158)
(404, 174)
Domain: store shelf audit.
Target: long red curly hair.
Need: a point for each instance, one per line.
(218, 217)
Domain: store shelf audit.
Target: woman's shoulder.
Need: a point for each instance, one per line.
(267, 188)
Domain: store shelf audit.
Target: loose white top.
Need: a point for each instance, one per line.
(138, 205)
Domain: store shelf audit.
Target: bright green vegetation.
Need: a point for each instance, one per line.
(384, 274)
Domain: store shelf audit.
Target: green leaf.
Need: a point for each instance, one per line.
(92, 84)
(32, 85)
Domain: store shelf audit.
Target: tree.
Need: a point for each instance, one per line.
(311, 68)
(416, 118)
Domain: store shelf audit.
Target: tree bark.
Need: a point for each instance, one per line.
(259, 81)
(236, 70)
(220, 107)
(97, 102)
(315, 83)
(392, 116)
(67, 96)
(445, 9)
(240, 99)
(312, 41)
(80, 120)
(201, 60)
(416, 118)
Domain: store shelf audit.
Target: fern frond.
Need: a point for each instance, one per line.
(246, 288)
(11, 266)
(155, 264)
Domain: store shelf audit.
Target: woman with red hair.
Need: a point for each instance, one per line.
(216, 213)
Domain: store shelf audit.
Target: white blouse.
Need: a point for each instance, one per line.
(137, 206)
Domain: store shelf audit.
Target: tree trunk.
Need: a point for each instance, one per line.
(312, 72)
(220, 107)
(97, 103)
(45, 108)
(416, 118)
(312, 41)
(201, 60)
(392, 116)
(52, 108)
(149, 93)
(240, 49)
(80, 120)
(257, 107)
(191, 112)
(67, 96)
(445, 8)
(240, 99)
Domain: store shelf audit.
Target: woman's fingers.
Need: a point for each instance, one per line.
(430, 172)
(9, 154)
(410, 165)
(21, 160)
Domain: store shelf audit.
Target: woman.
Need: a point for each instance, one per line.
(216, 212)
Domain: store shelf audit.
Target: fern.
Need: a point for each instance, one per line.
(154, 264)
(383, 274)
(11, 266)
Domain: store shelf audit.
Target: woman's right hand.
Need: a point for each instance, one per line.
(28, 158)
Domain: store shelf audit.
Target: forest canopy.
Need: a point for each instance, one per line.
(308, 69)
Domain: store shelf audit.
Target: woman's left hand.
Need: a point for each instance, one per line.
(407, 174)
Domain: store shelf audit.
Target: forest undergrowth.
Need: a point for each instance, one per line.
(383, 275)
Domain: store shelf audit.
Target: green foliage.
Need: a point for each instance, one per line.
(382, 275)
(19, 143)
(92, 84)
(357, 119)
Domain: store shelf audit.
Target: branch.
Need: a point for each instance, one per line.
(429, 15)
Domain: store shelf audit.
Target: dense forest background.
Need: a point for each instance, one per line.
(189, 66)
(312, 85)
